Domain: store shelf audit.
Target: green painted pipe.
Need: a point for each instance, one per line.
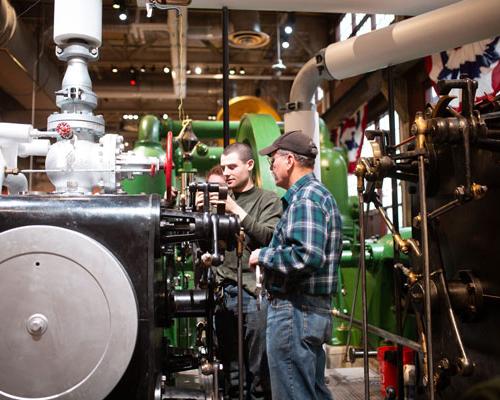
(202, 129)
(205, 157)
(148, 145)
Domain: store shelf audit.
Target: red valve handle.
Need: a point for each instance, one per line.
(168, 165)
(64, 130)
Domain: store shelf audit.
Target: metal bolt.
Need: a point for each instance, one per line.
(37, 324)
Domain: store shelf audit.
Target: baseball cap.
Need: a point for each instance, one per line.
(295, 141)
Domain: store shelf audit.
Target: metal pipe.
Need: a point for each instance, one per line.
(362, 267)
(445, 28)
(203, 129)
(395, 218)
(427, 275)
(16, 183)
(464, 22)
(177, 29)
(465, 367)
(398, 7)
(380, 332)
(225, 73)
(241, 372)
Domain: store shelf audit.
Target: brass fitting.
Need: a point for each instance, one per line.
(401, 244)
(11, 171)
(478, 191)
(419, 129)
(417, 221)
(406, 245)
(240, 243)
(360, 172)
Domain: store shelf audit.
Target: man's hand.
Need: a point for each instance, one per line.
(233, 207)
(254, 259)
(213, 199)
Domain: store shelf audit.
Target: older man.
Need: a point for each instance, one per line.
(259, 211)
(300, 267)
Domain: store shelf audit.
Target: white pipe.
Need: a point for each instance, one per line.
(398, 7)
(15, 132)
(16, 183)
(177, 28)
(37, 147)
(464, 22)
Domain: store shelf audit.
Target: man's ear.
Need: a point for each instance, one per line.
(290, 161)
(250, 164)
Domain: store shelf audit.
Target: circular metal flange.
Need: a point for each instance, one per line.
(69, 315)
(84, 125)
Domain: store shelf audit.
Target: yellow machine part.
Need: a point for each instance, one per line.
(241, 105)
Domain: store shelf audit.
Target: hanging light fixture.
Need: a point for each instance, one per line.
(278, 67)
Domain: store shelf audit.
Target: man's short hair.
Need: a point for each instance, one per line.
(243, 150)
(303, 161)
(215, 170)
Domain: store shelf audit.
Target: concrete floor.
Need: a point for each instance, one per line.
(344, 384)
(348, 383)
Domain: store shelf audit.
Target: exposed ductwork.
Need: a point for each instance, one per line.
(245, 30)
(464, 22)
(398, 7)
(8, 22)
(177, 29)
(149, 93)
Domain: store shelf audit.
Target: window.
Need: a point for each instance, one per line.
(350, 21)
(366, 151)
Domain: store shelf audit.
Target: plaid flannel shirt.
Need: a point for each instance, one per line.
(306, 245)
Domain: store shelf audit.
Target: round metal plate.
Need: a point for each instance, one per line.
(68, 315)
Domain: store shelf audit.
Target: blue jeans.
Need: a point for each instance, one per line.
(297, 327)
(254, 342)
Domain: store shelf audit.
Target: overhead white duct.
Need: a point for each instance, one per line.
(464, 22)
(149, 92)
(177, 29)
(398, 7)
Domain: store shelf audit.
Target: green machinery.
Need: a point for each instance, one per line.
(260, 130)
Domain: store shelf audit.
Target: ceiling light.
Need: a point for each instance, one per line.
(135, 116)
(143, 69)
(279, 66)
(288, 29)
(114, 69)
(242, 71)
(125, 116)
(116, 5)
(165, 116)
(232, 71)
(166, 69)
(198, 70)
(211, 117)
(123, 15)
(132, 70)
(188, 72)
(285, 45)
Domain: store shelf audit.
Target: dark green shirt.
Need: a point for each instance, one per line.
(263, 210)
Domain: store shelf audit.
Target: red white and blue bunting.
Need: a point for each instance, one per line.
(479, 61)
